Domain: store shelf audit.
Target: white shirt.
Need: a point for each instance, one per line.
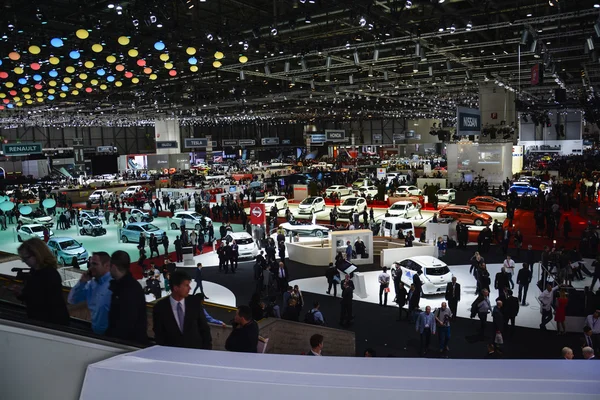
(510, 266)
(593, 323)
(315, 354)
(174, 308)
(383, 278)
(546, 299)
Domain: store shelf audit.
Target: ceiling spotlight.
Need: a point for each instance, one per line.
(267, 69)
(111, 6)
(328, 62)
(590, 43)
(533, 45)
(441, 1)
(469, 26)
(209, 36)
(190, 4)
(119, 10)
(136, 22)
(408, 4)
(375, 55)
(328, 76)
(362, 21)
(448, 65)
(159, 25)
(370, 72)
(430, 70)
(286, 67)
(597, 5)
(452, 28)
(242, 75)
(312, 84)
(245, 45)
(441, 28)
(356, 58)
(525, 36)
(415, 67)
(273, 31)
(303, 64)
(307, 19)
(551, 3)
(152, 19)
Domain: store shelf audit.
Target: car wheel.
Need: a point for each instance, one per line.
(19, 238)
(93, 233)
(174, 226)
(499, 209)
(103, 231)
(124, 239)
(82, 232)
(131, 219)
(62, 261)
(478, 222)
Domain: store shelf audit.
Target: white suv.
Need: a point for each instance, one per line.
(95, 197)
(404, 209)
(271, 201)
(192, 220)
(350, 205)
(311, 204)
(246, 246)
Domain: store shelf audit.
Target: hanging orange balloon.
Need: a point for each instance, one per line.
(35, 66)
(172, 72)
(128, 74)
(38, 86)
(14, 55)
(89, 90)
(120, 68)
(147, 70)
(13, 92)
(141, 63)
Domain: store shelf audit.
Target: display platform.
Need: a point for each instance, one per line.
(184, 373)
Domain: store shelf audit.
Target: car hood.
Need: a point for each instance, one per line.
(43, 219)
(304, 205)
(73, 252)
(347, 208)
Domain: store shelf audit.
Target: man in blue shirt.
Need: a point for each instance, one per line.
(93, 288)
(209, 318)
(425, 326)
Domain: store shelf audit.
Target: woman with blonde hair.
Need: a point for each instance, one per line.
(42, 293)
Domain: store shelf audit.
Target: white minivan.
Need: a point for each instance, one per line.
(390, 226)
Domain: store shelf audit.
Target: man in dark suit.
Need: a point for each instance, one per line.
(453, 296)
(179, 320)
(235, 254)
(282, 276)
(590, 340)
(244, 336)
(401, 299)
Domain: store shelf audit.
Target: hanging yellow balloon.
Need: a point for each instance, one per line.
(168, 65)
(97, 48)
(111, 59)
(18, 70)
(34, 49)
(9, 85)
(219, 55)
(25, 90)
(135, 80)
(66, 79)
(54, 60)
(75, 92)
(40, 100)
(2, 95)
(194, 68)
(27, 96)
(133, 53)
(103, 87)
(16, 98)
(217, 64)
(70, 69)
(79, 85)
(83, 77)
(82, 34)
(191, 51)
(153, 77)
(29, 101)
(52, 83)
(63, 95)
(123, 40)
(51, 91)
(94, 82)
(243, 59)
(164, 57)
(118, 83)
(39, 94)
(19, 104)
(89, 64)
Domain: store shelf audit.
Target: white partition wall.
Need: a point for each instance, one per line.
(389, 256)
(160, 373)
(339, 239)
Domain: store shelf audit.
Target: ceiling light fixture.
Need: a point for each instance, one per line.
(370, 72)
(286, 67)
(210, 36)
(274, 31)
(307, 19)
(375, 55)
(415, 67)
(356, 58)
(452, 28)
(328, 62)
(303, 64)
(469, 26)
(362, 22)
(111, 6)
(408, 3)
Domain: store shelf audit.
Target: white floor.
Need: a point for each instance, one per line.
(529, 316)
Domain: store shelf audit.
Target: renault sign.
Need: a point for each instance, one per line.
(469, 121)
(21, 149)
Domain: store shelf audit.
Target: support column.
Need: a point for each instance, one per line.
(167, 135)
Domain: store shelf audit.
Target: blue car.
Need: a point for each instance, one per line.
(66, 248)
(523, 189)
(131, 232)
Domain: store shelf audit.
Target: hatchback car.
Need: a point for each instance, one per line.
(192, 219)
(272, 201)
(404, 209)
(413, 190)
(30, 231)
(131, 232)
(92, 227)
(368, 190)
(523, 189)
(66, 248)
(465, 215)
(448, 195)
(434, 278)
(351, 204)
(137, 215)
(340, 190)
(247, 248)
(101, 193)
(37, 219)
(311, 204)
(486, 203)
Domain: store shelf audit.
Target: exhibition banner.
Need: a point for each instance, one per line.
(20, 149)
(257, 214)
(469, 121)
(381, 173)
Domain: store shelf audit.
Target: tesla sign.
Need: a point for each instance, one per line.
(257, 214)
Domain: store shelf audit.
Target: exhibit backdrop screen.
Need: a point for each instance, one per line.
(469, 160)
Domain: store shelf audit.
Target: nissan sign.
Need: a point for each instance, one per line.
(469, 121)
(335, 135)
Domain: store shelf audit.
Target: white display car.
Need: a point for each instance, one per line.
(37, 220)
(305, 229)
(391, 226)
(30, 231)
(131, 190)
(402, 208)
(95, 196)
(413, 190)
(448, 195)
(368, 190)
(192, 219)
(311, 204)
(137, 215)
(351, 204)
(435, 276)
(247, 248)
(341, 190)
(89, 214)
(271, 201)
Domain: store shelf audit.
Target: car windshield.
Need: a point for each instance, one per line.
(437, 271)
(495, 199)
(196, 215)
(97, 192)
(308, 200)
(244, 241)
(398, 207)
(350, 202)
(69, 244)
(37, 229)
(150, 228)
(268, 201)
(442, 191)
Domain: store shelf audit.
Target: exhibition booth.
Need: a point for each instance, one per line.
(468, 160)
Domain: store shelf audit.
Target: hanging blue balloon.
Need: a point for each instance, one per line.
(22, 81)
(37, 77)
(110, 78)
(9, 105)
(159, 46)
(57, 42)
(101, 72)
(193, 60)
(53, 73)
(64, 88)
(0, 62)
(51, 97)
(74, 55)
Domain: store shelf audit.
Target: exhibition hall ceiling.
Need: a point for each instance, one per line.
(77, 62)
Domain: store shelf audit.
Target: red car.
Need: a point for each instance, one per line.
(487, 203)
(465, 215)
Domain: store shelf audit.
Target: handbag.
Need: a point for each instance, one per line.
(386, 290)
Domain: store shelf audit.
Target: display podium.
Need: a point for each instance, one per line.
(188, 257)
(437, 229)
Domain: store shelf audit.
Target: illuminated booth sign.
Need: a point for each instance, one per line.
(469, 121)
